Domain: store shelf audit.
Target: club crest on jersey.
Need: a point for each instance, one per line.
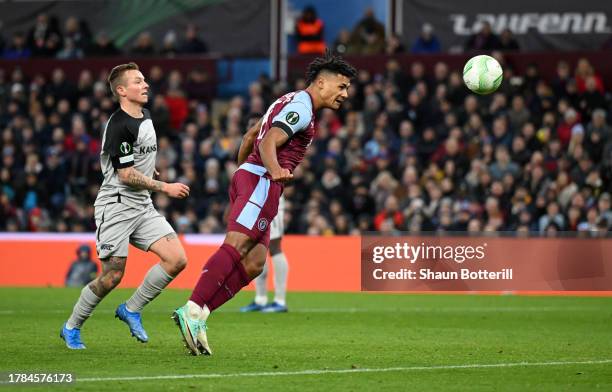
(125, 148)
(292, 118)
(262, 224)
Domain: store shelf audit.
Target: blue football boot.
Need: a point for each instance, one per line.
(72, 337)
(274, 307)
(133, 320)
(252, 307)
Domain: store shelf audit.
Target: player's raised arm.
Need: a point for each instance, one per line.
(246, 146)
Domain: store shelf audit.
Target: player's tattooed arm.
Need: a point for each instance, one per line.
(132, 177)
(246, 146)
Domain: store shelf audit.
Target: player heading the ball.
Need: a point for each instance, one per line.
(270, 151)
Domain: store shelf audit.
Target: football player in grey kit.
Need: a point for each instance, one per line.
(124, 210)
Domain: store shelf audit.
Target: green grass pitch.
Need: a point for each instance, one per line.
(328, 341)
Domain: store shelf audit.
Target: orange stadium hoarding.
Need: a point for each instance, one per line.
(316, 263)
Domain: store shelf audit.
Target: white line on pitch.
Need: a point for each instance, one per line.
(344, 371)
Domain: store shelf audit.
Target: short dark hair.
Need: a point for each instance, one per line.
(329, 62)
(116, 75)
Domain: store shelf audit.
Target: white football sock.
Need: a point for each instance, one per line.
(83, 308)
(281, 271)
(261, 289)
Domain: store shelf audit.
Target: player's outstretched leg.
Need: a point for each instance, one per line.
(222, 277)
(91, 295)
(261, 293)
(192, 317)
(173, 261)
(249, 267)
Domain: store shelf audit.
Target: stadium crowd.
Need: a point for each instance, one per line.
(410, 150)
(47, 38)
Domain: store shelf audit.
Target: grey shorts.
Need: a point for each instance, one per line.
(119, 225)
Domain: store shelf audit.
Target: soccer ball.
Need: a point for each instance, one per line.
(482, 74)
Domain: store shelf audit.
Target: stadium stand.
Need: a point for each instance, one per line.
(411, 150)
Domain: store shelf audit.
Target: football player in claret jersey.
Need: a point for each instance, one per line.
(270, 151)
(281, 266)
(124, 211)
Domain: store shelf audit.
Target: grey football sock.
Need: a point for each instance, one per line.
(281, 270)
(261, 289)
(83, 308)
(154, 282)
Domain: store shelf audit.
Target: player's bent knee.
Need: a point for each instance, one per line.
(253, 270)
(179, 264)
(175, 264)
(254, 265)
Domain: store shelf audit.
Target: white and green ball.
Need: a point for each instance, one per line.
(482, 74)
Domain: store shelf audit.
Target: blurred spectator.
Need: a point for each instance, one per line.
(570, 125)
(83, 270)
(604, 207)
(599, 125)
(60, 88)
(394, 45)
(559, 83)
(426, 42)
(144, 45)
(309, 32)
(192, 44)
(169, 44)
(503, 164)
(176, 101)
(518, 115)
(199, 87)
(69, 51)
(78, 33)
(507, 42)
(44, 38)
(18, 48)
(584, 72)
(391, 213)
(368, 36)
(342, 44)
(484, 40)
(592, 98)
(103, 46)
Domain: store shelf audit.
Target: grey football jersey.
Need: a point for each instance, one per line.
(127, 141)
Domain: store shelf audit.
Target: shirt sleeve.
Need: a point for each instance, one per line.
(293, 118)
(119, 145)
